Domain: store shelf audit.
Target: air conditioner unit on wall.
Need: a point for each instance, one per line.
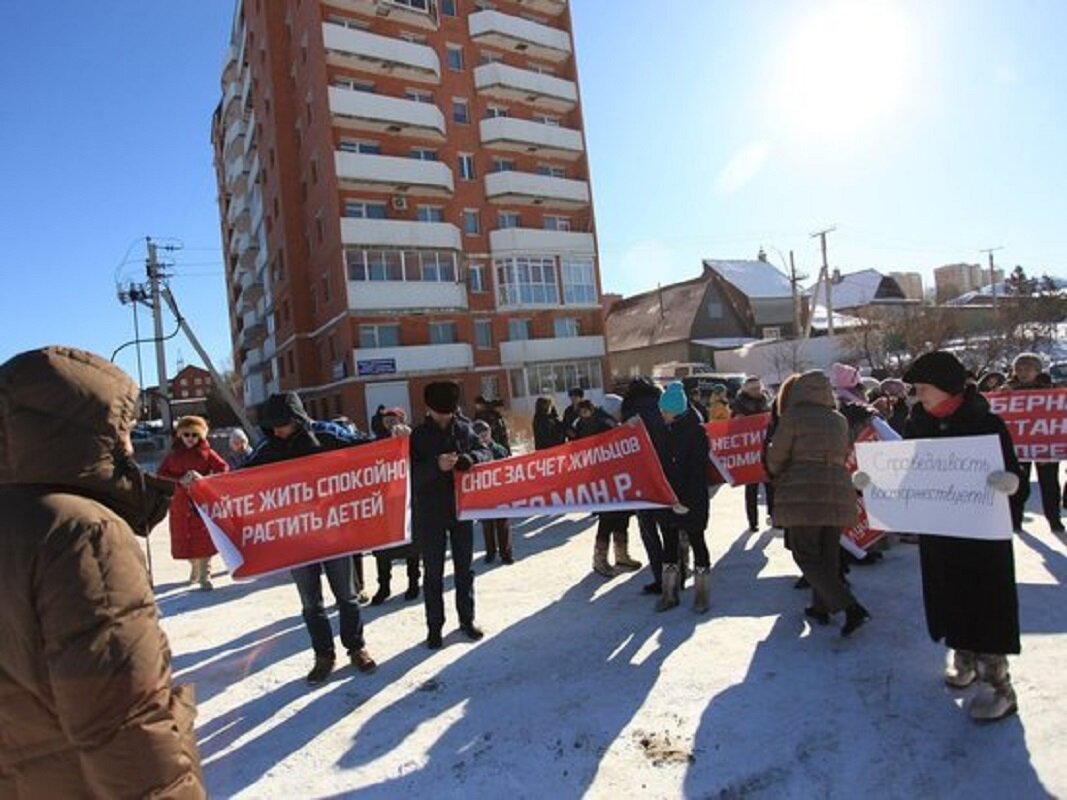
(400, 203)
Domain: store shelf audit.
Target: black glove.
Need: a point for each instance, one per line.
(463, 462)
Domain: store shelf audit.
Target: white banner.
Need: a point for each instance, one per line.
(936, 486)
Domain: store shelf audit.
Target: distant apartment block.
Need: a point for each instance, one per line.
(404, 196)
(952, 280)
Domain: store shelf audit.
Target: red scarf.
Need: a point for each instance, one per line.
(947, 408)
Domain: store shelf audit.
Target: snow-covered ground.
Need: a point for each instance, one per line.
(580, 688)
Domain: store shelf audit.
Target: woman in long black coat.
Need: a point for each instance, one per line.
(968, 584)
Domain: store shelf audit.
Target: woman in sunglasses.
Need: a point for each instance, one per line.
(191, 457)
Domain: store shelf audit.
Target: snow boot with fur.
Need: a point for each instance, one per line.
(600, 561)
(623, 560)
(669, 598)
(996, 697)
(963, 671)
(701, 588)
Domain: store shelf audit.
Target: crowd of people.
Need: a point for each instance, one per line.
(86, 676)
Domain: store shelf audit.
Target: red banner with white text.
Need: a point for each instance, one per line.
(310, 509)
(737, 449)
(1037, 421)
(861, 534)
(614, 471)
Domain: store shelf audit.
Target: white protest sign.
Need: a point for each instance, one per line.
(936, 486)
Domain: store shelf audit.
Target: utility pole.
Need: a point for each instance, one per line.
(155, 277)
(825, 275)
(992, 274)
(133, 294)
(794, 282)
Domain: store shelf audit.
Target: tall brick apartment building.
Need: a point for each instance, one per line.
(404, 195)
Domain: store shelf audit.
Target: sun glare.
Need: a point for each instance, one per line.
(845, 67)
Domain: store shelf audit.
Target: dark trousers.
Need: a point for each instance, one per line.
(384, 564)
(357, 571)
(695, 535)
(816, 550)
(497, 533)
(648, 524)
(610, 522)
(340, 574)
(433, 538)
(752, 501)
(1048, 481)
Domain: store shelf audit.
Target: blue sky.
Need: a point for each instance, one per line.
(923, 131)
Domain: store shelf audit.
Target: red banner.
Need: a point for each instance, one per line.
(614, 471)
(737, 449)
(1037, 421)
(273, 517)
(861, 534)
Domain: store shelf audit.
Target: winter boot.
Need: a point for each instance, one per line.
(669, 598)
(701, 587)
(963, 671)
(683, 559)
(321, 671)
(205, 583)
(996, 699)
(362, 661)
(194, 570)
(382, 594)
(623, 560)
(600, 561)
(855, 617)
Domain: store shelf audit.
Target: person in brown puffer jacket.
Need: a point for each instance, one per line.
(87, 708)
(813, 493)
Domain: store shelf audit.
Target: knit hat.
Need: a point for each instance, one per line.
(674, 400)
(192, 423)
(441, 396)
(940, 369)
(612, 404)
(1032, 359)
(480, 426)
(843, 376)
(894, 387)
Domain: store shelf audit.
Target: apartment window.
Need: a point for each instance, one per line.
(416, 5)
(442, 333)
(326, 298)
(347, 23)
(424, 154)
(490, 58)
(466, 166)
(320, 228)
(714, 306)
(360, 146)
(508, 219)
(772, 333)
(430, 214)
(471, 224)
(476, 278)
(556, 223)
(355, 84)
(454, 56)
(579, 282)
(401, 265)
(361, 209)
(555, 377)
(526, 280)
(436, 266)
(448, 8)
(483, 333)
(490, 386)
(546, 119)
(503, 164)
(518, 330)
(566, 327)
(414, 38)
(495, 111)
(461, 112)
(371, 336)
(419, 96)
(551, 171)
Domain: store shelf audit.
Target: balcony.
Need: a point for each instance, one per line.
(231, 106)
(236, 176)
(525, 86)
(246, 261)
(552, 7)
(251, 287)
(526, 188)
(256, 204)
(230, 64)
(234, 140)
(252, 335)
(383, 114)
(419, 13)
(525, 136)
(535, 240)
(565, 349)
(413, 358)
(519, 35)
(382, 55)
(405, 295)
(400, 233)
(393, 174)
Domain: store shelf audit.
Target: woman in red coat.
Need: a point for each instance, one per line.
(190, 457)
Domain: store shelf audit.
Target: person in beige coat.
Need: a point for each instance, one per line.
(813, 493)
(87, 708)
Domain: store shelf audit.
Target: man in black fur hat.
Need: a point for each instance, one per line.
(441, 446)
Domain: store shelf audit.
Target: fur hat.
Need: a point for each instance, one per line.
(843, 376)
(673, 401)
(1033, 359)
(612, 404)
(894, 387)
(192, 423)
(940, 369)
(441, 396)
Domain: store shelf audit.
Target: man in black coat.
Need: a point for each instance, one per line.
(440, 447)
(750, 401)
(291, 433)
(570, 413)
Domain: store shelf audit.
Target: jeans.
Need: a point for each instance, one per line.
(340, 574)
(648, 524)
(434, 537)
